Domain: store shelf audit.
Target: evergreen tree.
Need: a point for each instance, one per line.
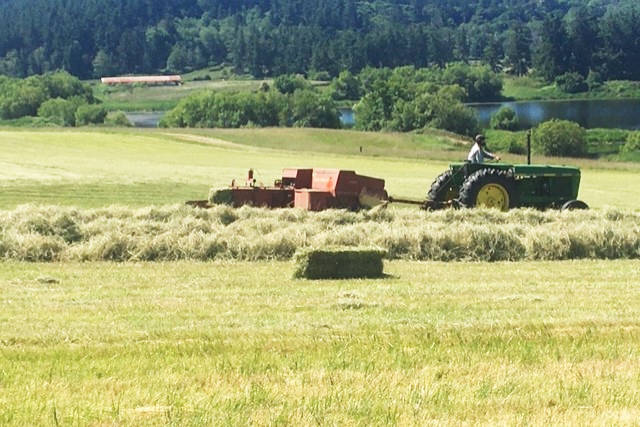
(550, 58)
(582, 37)
(516, 49)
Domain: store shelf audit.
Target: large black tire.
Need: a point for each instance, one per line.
(492, 188)
(443, 188)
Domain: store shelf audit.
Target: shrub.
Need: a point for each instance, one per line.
(479, 82)
(633, 143)
(289, 83)
(594, 80)
(339, 263)
(561, 138)
(407, 99)
(90, 114)
(505, 119)
(23, 97)
(453, 116)
(272, 108)
(118, 118)
(313, 110)
(346, 86)
(322, 76)
(60, 110)
(571, 83)
(512, 142)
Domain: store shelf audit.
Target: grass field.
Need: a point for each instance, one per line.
(530, 88)
(161, 98)
(236, 344)
(98, 168)
(91, 168)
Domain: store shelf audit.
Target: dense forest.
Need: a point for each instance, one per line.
(93, 38)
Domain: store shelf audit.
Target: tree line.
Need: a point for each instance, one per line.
(94, 38)
(400, 99)
(58, 98)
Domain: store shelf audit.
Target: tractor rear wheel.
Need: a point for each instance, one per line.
(443, 189)
(490, 188)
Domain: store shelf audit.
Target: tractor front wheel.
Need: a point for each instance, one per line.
(489, 188)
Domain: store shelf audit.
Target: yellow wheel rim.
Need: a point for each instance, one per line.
(493, 196)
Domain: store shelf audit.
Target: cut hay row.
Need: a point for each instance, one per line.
(51, 233)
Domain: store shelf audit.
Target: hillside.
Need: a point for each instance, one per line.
(102, 37)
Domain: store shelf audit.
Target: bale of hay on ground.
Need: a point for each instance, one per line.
(339, 263)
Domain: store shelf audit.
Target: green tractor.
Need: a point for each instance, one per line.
(505, 186)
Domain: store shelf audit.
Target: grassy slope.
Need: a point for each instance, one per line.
(528, 88)
(89, 168)
(188, 343)
(160, 98)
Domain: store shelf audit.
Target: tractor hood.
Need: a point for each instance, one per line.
(525, 169)
(545, 170)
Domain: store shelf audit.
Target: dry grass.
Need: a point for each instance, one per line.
(169, 233)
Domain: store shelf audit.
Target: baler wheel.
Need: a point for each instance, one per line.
(490, 188)
(443, 189)
(574, 205)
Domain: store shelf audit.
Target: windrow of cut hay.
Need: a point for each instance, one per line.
(167, 233)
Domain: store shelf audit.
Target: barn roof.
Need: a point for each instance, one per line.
(142, 79)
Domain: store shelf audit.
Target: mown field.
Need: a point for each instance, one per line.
(95, 168)
(531, 343)
(216, 332)
(138, 168)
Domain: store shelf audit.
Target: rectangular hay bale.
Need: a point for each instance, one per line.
(339, 263)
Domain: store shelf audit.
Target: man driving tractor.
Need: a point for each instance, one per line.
(478, 152)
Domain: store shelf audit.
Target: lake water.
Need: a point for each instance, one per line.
(622, 113)
(347, 116)
(145, 120)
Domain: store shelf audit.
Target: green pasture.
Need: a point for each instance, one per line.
(243, 343)
(161, 98)
(100, 167)
(531, 88)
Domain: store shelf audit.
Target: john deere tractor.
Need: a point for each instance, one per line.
(505, 186)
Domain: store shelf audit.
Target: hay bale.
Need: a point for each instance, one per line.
(339, 263)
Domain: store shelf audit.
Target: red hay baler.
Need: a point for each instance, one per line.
(310, 189)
